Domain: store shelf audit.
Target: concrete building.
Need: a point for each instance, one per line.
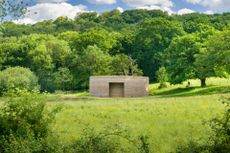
(118, 86)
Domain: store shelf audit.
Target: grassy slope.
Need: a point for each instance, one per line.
(214, 86)
(170, 119)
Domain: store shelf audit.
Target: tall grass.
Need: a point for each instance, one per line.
(172, 117)
(168, 122)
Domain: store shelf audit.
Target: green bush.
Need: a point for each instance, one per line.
(162, 77)
(25, 124)
(221, 129)
(92, 142)
(111, 140)
(17, 77)
(219, 140)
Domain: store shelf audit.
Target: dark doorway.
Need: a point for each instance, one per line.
(116, 89)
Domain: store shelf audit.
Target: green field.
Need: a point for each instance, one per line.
(170, 117)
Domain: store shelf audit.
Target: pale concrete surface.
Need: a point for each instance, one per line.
(100, 86)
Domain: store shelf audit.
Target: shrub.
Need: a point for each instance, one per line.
(25, 124)
(92, 142)
(219, 140)
(162, 77)
(112, 139)
(221, 129)
(17, 77)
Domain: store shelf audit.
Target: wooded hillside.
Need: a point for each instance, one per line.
(63, 53)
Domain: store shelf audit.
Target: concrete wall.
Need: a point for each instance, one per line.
(133, 86)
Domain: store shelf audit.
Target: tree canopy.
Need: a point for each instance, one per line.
(137, 42)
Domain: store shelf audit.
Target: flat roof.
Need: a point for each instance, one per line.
(119, 76)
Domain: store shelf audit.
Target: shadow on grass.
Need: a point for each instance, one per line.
(193, 91)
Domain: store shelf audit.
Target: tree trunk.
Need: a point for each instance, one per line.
(203, 82)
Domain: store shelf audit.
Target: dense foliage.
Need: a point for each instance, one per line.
(25, 124)
(17, 77)
(63, 53)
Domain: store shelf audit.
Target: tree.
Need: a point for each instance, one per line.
(2, 29)
(46, 54)
(192, 21)
(180, 58)
(87, 16)
(198, 56)
(152, 39)
(162, 77)
(138, 15)
(44, 27)
(219, 46)
(215, 58)
(99, 37)
(70, 37)
(63, 24)
(92, 61)
(12, 54)
(40, 58)
(63, 79)
(144, 35)
(124, 65)
(112, 20)
(13, 29)
(86, 21)
(12, 9)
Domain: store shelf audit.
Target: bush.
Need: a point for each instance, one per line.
(221, 129)
(17, 77)
(162, 77)
(112, 139)
(92, 142)
(25, 124)
(219, 140)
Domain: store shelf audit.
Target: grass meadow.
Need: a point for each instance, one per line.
(169, 117)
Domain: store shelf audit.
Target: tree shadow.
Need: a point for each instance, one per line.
(194, 91)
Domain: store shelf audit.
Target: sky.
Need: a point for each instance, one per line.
(39, 10)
